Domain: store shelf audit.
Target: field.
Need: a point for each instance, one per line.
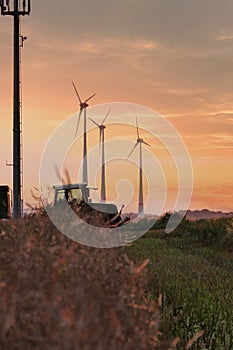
(56, 294)
(193, 270)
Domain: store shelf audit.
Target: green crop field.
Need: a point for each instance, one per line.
(193, 271)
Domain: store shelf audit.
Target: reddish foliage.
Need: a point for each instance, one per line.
(56, 294)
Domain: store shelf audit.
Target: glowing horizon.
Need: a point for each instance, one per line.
(160, 57)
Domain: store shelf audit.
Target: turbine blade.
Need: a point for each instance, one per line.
(145, 143)
(88, 99)
(76, 92)
(93, 121)
(133, 149)
(137, 126)
(106, 116)
(79, 117)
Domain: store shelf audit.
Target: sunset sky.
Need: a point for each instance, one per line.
(175, 57)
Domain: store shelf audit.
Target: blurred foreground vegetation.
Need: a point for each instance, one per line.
(57, 294)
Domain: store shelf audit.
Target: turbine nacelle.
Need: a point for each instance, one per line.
(83, 105)
(142, 141)
(101, 126)
(139, 141)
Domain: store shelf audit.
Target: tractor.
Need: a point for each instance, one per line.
(98, 214)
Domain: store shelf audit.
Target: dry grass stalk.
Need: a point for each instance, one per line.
(191, 341)
(174, 343)
(142, 266)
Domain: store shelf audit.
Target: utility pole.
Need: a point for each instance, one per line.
(17, 8)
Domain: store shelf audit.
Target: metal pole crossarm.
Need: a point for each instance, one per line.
(15, 7)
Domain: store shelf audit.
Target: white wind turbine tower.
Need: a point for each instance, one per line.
(83, 107)
(102, 127)
(139, 142)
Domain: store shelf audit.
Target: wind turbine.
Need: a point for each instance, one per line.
(83, 108)
(102, 127)
(139, 142)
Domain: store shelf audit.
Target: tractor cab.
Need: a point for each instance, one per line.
(71, 192)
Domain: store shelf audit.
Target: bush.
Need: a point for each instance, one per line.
(57, 294)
